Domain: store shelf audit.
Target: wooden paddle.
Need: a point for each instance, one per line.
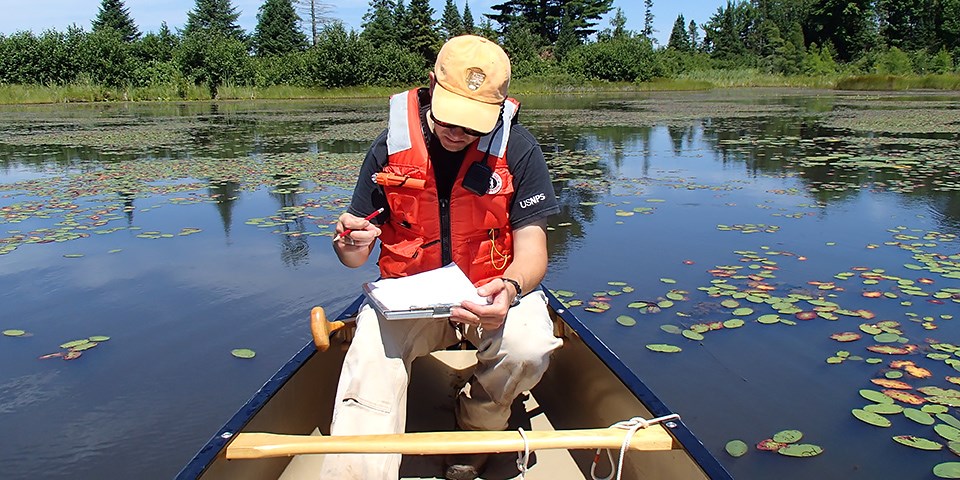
(321, 328)
(264, 445)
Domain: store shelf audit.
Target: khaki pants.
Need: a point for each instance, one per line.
(372, 393)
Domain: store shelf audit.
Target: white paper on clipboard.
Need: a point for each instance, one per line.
(429, 294)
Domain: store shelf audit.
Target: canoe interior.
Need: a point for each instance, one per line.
(578, 391)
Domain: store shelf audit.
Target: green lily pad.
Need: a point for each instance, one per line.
(730, 303)
(884, 408)
(243, 353)
(788, 436)
(947, 470)
(875, 396)
(14, 333)
(919, 416)
(98, 338)
(668, 280)
(949, 419)
(946, 431)
(663, 348)
(801, 450)
(733, 323)
(917, 442)
(871, 418)
(736, 448)
(74, 343)
(692, 335)
(768, 319)
(626, 320)
(670, 329)
(743, 311)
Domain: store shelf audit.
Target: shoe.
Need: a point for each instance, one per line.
(466, 466)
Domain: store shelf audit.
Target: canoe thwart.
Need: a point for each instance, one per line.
(263, 445)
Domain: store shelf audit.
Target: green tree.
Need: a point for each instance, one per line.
(627, 59)
(450, 22)
(726, 31)
(468, 23)
(584, 15)
(567, 39)
(278, 29)
(214, 17)
(848, 24)
(213, 59)
(679, 40)
(693, 35)
(647, 19)
(948, 26)
(113, 14)
(907, 24)
(379, 23)
(423, 38)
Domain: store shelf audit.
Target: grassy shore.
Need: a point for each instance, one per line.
(703, 80)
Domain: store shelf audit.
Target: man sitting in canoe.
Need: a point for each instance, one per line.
(452, 191)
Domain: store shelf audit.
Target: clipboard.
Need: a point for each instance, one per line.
(429, 294)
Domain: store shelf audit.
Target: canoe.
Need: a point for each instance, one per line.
(586, 390)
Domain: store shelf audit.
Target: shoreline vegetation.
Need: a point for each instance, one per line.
(13, 94)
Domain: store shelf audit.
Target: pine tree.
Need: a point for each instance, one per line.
(278, 29)
(679, 39)
(693, 36)
(379, 23)
(584, 15)
(113, 14)
(618, 25)
(647, 18)
(468, 25)
(567, 39)
(424, 38)
(450, 22)
(217, 17)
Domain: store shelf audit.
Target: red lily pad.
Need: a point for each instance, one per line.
(770, 445)
(846, 336)
(888, 383)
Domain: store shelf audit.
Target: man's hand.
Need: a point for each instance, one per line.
(488, 317)
(354, 248)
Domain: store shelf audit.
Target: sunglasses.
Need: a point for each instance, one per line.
(468, 131)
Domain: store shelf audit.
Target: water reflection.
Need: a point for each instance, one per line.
(642, 195)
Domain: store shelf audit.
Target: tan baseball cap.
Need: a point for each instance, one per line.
(472, 74)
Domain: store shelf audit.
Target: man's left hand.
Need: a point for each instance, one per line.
(488, 317)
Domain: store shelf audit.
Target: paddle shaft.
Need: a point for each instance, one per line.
(263, 445)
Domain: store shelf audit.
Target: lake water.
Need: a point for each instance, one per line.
(183, 232)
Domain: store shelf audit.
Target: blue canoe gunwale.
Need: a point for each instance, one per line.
(214, 448)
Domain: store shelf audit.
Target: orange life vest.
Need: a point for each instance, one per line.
(473, 229)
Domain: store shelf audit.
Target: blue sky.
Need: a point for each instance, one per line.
(39, 15)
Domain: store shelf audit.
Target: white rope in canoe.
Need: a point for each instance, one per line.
(631, 426)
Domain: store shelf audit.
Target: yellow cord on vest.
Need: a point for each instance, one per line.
(493, 248)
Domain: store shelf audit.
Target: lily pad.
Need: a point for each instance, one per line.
(946, 431)
(98, 338)
(788, 436)
(670, 329)
(243, 353)
(871, 418)
(663, 348)
(736, 448)
(733, 323)
(917, 442)
(626, 320)
(919, 416)
(947, 470)
(801, 450)
(875, 396)
(14, 333)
